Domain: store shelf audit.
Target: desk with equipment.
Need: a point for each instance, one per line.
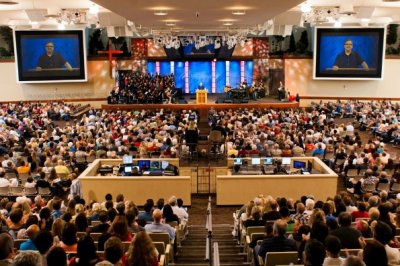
(137, 179)
(296, 176)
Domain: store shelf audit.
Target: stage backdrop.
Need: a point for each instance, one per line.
(214, 75)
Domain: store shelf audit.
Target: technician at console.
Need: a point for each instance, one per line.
(51, 59)
(279, 169)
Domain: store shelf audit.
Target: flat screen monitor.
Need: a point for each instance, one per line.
(299, 164)
(349, 53)
(237, 161)
(164, 165)
(44, 56)
(155, 165)
(286, 161)
(127, 159)
(255, 161)
(268, 161)
(128, 169)
(144, 164)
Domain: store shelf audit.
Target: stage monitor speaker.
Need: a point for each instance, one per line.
(227, 101)
(218, 101)
(192, 96)
(245, 101)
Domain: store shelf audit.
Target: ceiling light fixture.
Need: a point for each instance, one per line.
(8, 3)
(228, 23)
(160, 13)
(94, 9)
(305, 8)
(238, 12)
(170, 24)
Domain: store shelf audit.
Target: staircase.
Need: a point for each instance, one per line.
(193, 249)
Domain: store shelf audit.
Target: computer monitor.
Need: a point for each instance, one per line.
(286, 161)
(128, 169)
(268, 161)
(164, 164)
(127, 159)
(237, 161)
(299, 164)
(155, 165)
(255, 161)
(144, 164)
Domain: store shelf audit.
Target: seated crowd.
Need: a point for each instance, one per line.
(56, 229)
(136, 87)
(320, 230)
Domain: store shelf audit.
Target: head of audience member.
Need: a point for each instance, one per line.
(344, 219)
(383, 233)
(373, 214)
(32, 231)
(119, 227)
(86, 250)
(142, 250)
(279, 227)
(43, 241)
(103, 216)
(56, 257)
(6, 246)
(179, 201)
(120, 208)
(172, 201)
(157, 215)
(300, 208)
(119, 198)
(113, 249)
(69, 237)
(333, 246)
(319, 231)
(160, 203)
(314, 253)
(111, 213)
(147, 207)
(81, 222)
(374, 253)
(27, 258)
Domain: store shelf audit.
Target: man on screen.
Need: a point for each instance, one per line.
(349, 58)
(51, 59)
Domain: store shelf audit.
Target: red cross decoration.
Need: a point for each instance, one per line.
(110, 53)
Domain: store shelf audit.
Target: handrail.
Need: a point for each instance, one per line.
(216, 254)
(209, 233)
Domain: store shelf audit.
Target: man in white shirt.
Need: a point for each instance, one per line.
(180, 212)
(3, 180)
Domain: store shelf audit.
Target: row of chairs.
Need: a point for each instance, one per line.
(23, 191)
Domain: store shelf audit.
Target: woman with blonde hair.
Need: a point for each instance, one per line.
(142, 251)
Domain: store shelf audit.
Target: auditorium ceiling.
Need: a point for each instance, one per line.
(193, 15)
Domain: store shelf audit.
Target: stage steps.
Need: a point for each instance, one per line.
(193, 249)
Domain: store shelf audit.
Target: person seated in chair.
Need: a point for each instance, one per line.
(279, 169)
(192, 136)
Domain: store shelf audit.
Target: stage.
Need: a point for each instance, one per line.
(216, 101)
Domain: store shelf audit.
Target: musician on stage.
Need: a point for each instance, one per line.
(254, 91)
(228, 90)
(349, 58)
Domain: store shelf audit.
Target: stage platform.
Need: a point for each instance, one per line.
(190, 102)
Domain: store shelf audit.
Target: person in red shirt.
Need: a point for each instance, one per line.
(361, 212)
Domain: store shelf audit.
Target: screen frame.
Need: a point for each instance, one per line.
(237, 161)
(381, 31)
(269, 158)
(80, 33)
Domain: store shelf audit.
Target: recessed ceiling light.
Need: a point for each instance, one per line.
(228, 23)
(170, 24)
(8, 2)
(238, 12)
(160, 13)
